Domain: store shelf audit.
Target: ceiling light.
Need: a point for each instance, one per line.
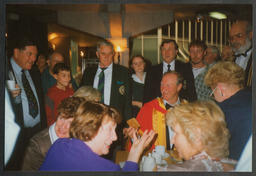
(218, 15)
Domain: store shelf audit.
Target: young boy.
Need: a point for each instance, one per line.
(62, 89)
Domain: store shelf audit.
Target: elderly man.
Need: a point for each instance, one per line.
(212, 55)
(169, 51)
(240, 37)
(27, 97)
(47, 77)
(152, 114)
(42, 141)
(114, 83)
(197, 52)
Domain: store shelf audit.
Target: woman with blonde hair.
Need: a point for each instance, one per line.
(200, 136)
(92, 132)
(227, 81)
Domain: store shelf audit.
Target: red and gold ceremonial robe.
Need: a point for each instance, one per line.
(152, 116)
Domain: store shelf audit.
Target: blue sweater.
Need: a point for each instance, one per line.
(74, 155)
(238, 113)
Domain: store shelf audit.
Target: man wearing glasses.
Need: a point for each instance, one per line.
(240, 36)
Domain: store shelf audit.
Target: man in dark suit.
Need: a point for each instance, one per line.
(115, 88)
(28, 93)
(169, 51)
(240, 36)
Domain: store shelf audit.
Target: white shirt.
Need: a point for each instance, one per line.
(171, 133)
(165, 66)
(107, 82)
(197, 71)
(136, 79)
(52, 133)
(242, 61)
(29, 121)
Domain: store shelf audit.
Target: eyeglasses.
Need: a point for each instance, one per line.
(211, 95)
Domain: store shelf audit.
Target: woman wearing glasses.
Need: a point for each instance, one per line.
(226, 80)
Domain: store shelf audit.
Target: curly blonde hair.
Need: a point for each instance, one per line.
(89, 117)
(225, 72)
(203, 120)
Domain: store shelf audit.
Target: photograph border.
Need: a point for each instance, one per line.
(2, 79)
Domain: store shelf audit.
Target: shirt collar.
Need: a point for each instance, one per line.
(108, 68)
(177, 102)
(15, 66)
(172, 64)
(52, 133)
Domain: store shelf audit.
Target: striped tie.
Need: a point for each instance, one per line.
(101, 84)
(32, 103)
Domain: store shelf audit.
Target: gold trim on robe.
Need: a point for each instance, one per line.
(158, 123)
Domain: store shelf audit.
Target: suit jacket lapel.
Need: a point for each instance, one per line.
(248, 72)
(113, 84)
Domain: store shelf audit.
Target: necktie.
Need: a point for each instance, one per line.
(168, 67)
(243, 54)
(167, 106)
(101, 83)
(32, 103)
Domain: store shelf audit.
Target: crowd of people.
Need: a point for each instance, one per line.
(202, 108)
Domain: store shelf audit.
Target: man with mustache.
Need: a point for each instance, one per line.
(240, 36)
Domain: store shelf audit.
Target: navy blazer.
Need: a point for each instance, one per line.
(238, 114)
(154, 77)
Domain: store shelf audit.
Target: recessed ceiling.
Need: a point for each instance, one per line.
(180, 10)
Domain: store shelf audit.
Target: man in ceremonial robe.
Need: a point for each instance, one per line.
(152, 114)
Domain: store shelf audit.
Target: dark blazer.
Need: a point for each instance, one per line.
(36, 151)
(238, 115)
(120, 79)
(25, 133)
(154, 77)
(36, 78)
(248, 73)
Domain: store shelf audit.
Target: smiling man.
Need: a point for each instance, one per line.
(42, 141)
(240, 37)
(152, 114)
(27, 98)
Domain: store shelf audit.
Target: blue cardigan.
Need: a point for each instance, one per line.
(238, 113)
(70, 154)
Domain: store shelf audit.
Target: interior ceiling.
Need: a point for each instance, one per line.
(181, 11)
